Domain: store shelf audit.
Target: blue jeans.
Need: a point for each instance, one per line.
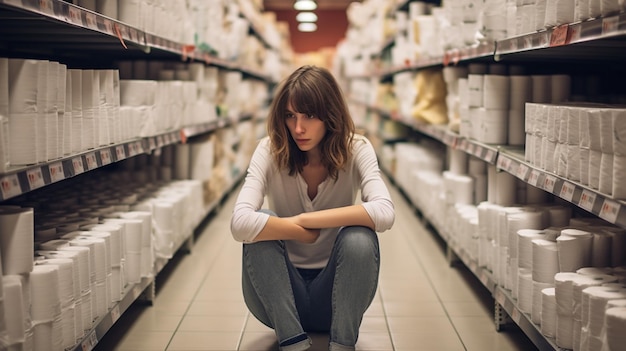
(333, 301)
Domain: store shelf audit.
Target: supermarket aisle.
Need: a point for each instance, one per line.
(422, 303)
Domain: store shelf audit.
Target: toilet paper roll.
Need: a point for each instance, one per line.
(75, 76)
(574, 247)
(605, 184)
(22, 86)
(524, 246)
(458, 161)
(520, 92)
(561, 83)
(535, 195)
(606, 131)
(505, 189)
(525, 290)
(130, 12)
(595, 161)
(548, 312)
(15, 311)
(516, 122)
(45, 303)
(76, 302)
(541, 88)
(475, 89)
(596, 271)
(480, 188)
(492, 126)
(90, 96)
(581, 9)
(496, 91)
(596, 299)
(614, 326)
(545, 261)
(17, 240)
(107, 8)
(537, 305)
(601, 249)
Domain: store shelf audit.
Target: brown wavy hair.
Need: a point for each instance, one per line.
(313, 91)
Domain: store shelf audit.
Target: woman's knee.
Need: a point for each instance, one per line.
(358, 240)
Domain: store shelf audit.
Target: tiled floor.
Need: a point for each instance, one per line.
(422, 303)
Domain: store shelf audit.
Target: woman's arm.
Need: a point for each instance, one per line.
(287, 228)
(335, 217)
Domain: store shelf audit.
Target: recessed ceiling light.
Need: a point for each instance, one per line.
(307, 27)
(306, 17)
(305, 5)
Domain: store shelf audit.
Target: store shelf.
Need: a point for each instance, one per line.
(55, 28)
(486, 152)
(523, 320)
(20, 180)
(511, 160)
(599, 39)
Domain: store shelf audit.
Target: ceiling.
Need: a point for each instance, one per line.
(321, 4)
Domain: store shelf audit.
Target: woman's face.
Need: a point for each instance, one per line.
(307, 131)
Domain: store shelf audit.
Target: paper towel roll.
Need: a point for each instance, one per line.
(66, 295)
(605, 183)
(17, 240)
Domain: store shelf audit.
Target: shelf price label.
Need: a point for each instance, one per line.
(56, 172)
(522, 171)
(105, 156)
(45, 6)
(74, 16)
(610, 210)
(489, 156)
(92, 162)
(533, 178)
(91, 21)
(587, 199)
(77, 164)
(503, 163)
(90, 342)
(35, 178)
(10, 186)
(559, 35)
(549, 183)
(500, 297)
(610, 24)
(115, 313)
(120, 153)
(567, 191)
(574, 34)
(516, 316)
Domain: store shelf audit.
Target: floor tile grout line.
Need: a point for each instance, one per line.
(208, 270)
(421, 264)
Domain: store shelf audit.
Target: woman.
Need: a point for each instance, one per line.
(311, 262)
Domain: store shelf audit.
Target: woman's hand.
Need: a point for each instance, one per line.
(307, 235)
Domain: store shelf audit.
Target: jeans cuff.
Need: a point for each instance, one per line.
(299, 346)
(338, 347)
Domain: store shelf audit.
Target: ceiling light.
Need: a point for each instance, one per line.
(307, 27)
(306, 17)
(305, 5)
